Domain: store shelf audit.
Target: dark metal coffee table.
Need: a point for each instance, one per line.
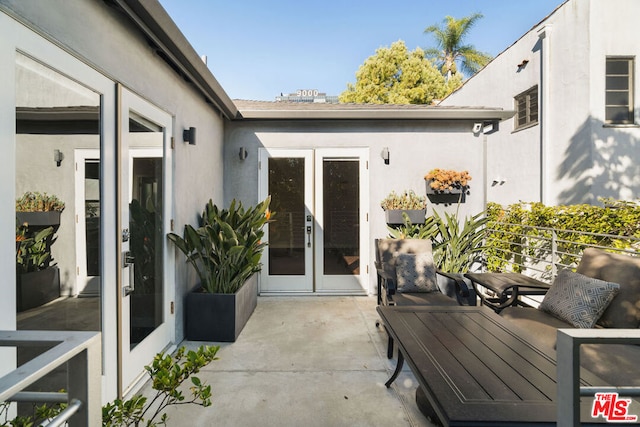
(475, 368)
(507, 286)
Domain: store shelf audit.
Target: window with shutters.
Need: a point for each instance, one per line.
(526, 108)
(619, 91)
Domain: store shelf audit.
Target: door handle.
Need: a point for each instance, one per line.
(308, 236)
(128, 262)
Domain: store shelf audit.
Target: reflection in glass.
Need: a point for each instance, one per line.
(286, 233)
(145, 224)
(55, 116)
(92, 216)
(341, 198)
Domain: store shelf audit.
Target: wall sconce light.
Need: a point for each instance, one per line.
(243, 153)
(385, 155)
(189, 135)
(58, 156)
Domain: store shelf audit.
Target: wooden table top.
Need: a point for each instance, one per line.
(475, 368)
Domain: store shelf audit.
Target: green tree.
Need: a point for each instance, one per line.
(395, 75)
(451, 50)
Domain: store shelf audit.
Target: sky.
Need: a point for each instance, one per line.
(259, 49)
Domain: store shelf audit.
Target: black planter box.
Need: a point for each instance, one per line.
(220, 317)
(37, 288)
(39, 219)
(394, 216)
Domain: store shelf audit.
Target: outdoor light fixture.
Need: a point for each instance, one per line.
(243, 153)
(385, 155)
(58, 156)
(189, 135)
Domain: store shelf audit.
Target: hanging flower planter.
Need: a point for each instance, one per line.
(441, 181)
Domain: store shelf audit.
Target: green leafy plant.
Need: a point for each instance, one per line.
(518, 230)
(33, 249)
(456, 246)
(226, 249)
(40, 415)
(38, 202)
(408, 200)
(167, 374)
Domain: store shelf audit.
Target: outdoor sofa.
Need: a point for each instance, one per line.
(604, 292)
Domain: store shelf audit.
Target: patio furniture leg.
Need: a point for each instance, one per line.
(397, 371)
(390, 348)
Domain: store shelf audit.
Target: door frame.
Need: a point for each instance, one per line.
(343, 286)
(131, 364)
(314, 279)
(80, 157)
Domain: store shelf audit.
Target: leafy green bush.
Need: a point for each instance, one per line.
(226, 249)
(167, 374)
(513, 236)
(456, 245)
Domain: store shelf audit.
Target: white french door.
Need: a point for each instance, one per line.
(147, 325)
(318, 239)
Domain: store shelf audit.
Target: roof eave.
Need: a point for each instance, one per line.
(377, 114)
(155, 22)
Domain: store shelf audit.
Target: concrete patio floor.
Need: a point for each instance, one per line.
(305, 361)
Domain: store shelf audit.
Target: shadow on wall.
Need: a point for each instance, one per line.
(602, 162)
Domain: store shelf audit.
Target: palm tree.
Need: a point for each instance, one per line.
(451, 50)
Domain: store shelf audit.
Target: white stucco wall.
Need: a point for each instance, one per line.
(579, 157)
(415, 148)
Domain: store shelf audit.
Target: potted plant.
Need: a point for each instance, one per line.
(409, 203)
(39, 210)
(38, 280)
(225, 251)
(442, 181)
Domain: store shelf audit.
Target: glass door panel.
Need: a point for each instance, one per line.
(286, 248)
(147, 326)
(55, 116)
(341, 195)
(288, 259)
(145, 225)
(342, 221)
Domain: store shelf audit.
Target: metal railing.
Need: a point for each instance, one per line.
(568, 370)
(540, 251)
(82, 352)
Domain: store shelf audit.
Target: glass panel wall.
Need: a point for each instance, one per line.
(56, 117)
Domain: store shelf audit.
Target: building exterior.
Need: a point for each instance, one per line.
(94, 109)
(573, 81)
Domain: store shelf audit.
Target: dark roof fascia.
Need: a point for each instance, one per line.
(434, 113)
(155, 22)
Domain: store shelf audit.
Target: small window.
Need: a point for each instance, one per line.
(527, 108)
(619, 91)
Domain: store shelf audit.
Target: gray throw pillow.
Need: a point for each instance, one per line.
(578, 299)
(416, 273)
